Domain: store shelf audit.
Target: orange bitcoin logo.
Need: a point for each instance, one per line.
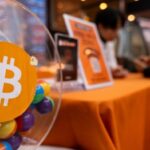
(17, 81)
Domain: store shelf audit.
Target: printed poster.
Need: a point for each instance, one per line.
(92, 62)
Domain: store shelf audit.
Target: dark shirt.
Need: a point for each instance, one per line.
(146, 72)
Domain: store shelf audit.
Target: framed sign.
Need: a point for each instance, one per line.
(92, 62)
(68, 51)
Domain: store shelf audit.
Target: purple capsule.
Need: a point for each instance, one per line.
(26, 121)
(45, 106)
(15, 141)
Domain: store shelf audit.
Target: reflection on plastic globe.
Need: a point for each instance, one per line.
(24, 130)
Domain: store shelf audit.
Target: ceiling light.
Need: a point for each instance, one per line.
(131, 17)
(83, 0)
(136, 0)
(103, 6)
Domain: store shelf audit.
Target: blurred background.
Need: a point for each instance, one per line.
(51, 11)
(137, 14)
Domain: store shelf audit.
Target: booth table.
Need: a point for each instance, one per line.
(112, 118)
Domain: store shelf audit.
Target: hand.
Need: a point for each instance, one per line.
(145, 59)
(140, 64)
(119, 72)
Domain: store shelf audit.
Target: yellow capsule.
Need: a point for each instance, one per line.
(46, 87)
(7, 129)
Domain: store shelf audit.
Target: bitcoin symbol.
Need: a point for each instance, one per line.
(13, 81)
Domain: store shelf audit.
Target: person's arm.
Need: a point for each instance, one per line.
(143, 65)
(117, 70)
(112, 61)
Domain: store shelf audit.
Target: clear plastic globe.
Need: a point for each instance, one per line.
(36, 40)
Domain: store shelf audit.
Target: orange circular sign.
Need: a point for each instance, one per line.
(17, 81)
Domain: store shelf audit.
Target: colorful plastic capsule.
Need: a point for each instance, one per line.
(5, 146)
(7, 129)
(40, 81)
(26, 121)
(46, 87)
(1, 146)
(15, 141)
(45, 106)
(32, 106)
(39, 95)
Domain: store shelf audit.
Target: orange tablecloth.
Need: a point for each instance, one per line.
(113, 118)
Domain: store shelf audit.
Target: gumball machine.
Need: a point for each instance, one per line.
(30, 93)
